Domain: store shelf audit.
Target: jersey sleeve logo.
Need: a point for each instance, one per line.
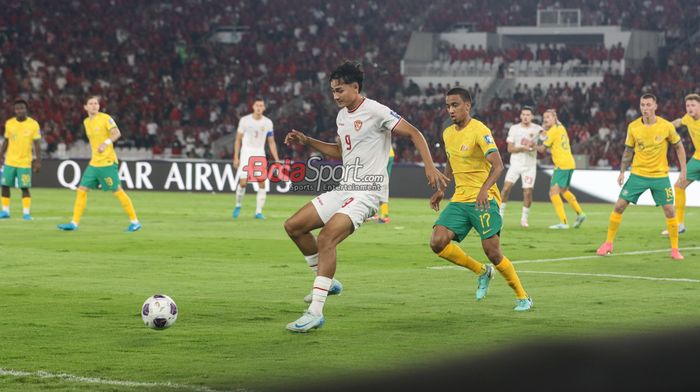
(111, 121)
(488, 139)
(395, 115)
(358, 125)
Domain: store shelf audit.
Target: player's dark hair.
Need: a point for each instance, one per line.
(259, 98)
(462, 92)
(22, 102)
(692, 97)
(348, 73)
(528, 108)
(91, 96)
(649, 96)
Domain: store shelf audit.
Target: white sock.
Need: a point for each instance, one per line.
(25, 211)
(135, 221)
(6, 209)
(503, 209)
(319, 294)
(312, 261)
(262, 195)
(240, 192)
(526, 212)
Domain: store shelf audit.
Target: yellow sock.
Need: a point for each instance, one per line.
(79, 207)
(559, 207)
(5, 203)
(613, 226)
(456, 255)
(571, 199)
(505, 267)
(26, 203)
(126, 204)
(672, 227)
(384, 210)
(680, 205)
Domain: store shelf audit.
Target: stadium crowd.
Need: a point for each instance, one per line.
(174, 88)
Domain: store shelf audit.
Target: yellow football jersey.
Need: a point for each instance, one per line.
(694, 131)
(558, 141)
(650, 143)
(21, 136)
(466, 150)
(97, 129)
(391, 152)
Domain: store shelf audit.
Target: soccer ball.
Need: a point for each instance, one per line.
(159, 311)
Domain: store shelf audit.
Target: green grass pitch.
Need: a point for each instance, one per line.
(70, 301)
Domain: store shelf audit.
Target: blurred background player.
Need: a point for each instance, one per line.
(253, 130)
(647, 141)
(383, 216)
(475, 164)
(557, 139)
(103, 169)
(522, 139)
(692, 121)
(365, 127)
(21, 133)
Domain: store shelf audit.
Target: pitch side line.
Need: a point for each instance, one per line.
(686, 280)
(593, 256)
(94, 380)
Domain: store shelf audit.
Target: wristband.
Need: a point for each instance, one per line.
(108, 141)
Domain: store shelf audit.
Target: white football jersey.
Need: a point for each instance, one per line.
(520, 136)
(255, 132)
(365, 140)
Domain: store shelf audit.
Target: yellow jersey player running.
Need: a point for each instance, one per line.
(692, 121)
(103, 169)
(475, 164)
(21, 133)
(557, 139)
(647, 141)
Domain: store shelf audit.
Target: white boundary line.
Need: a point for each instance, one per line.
(593, 256)
(94, 380)
(687, 280)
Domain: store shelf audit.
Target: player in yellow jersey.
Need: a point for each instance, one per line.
(21, 133)
(475, 164)
(103, 169)
(557, 140)
(383, 216)
(692, 121)
(647, 141)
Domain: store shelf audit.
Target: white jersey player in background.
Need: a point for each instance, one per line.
(522, 138)
(253, 130)
(364, 140)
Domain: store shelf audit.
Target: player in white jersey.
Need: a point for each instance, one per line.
(364, 139)
(249, 150)
(522, 138)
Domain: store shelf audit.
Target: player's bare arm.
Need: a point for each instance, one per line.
(36, 164)
(435, 178)
(680, 153)
(436, 198)
(114, 135)
(237, 150)
(624, 164)
(331, 150)
(482, 199)
(676, 123)
(273, 148)
(3, 150)
(512, 148)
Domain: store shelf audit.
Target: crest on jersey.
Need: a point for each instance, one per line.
(358, 125)
(463, 148)
(658, 139)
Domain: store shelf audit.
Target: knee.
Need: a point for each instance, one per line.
(292, 228)
(325, 241)
(438, 243)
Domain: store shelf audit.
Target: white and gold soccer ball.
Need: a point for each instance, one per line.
(159, 311)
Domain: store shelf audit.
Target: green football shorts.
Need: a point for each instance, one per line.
(693, 168)
(562, 178)
(105, 176)
(660, 188)
(460, 218)
(23, 175)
